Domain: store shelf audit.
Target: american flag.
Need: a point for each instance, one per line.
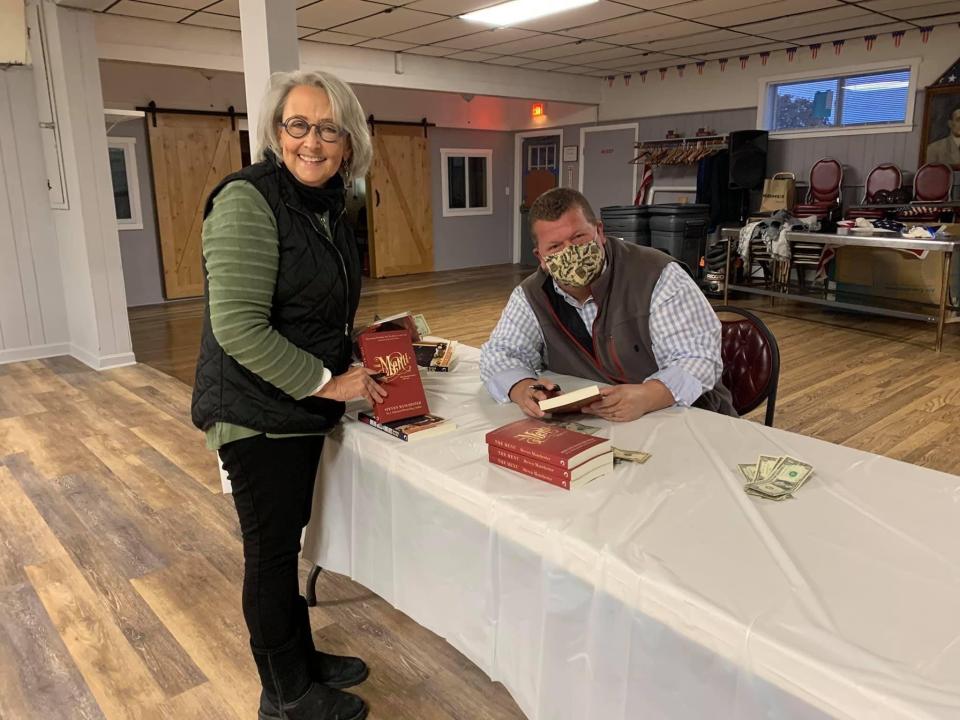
(646, 180)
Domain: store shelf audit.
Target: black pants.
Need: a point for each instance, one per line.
(272, 489)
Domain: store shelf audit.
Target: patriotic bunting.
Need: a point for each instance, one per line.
(791, 53)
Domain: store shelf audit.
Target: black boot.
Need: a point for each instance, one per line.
(290, 694)
(334, 671)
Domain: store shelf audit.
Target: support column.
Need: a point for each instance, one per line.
(268, 31)
(67, 78)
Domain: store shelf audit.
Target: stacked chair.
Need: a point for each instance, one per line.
(884, 185)
(823, 195)
(932, 183)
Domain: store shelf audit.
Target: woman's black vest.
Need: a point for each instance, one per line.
(316, 297)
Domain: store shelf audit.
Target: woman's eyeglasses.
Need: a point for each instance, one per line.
(328, 131)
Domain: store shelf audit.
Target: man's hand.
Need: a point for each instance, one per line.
(527, 397)
(622, 403)
(354, 383)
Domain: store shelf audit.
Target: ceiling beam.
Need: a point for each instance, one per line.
(149, 41)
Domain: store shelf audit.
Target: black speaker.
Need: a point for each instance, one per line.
(748, 159)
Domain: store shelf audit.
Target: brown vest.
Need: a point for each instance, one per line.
(622, 351)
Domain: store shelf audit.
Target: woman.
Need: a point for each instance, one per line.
(283, 283)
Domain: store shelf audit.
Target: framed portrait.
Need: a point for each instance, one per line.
(940, 141)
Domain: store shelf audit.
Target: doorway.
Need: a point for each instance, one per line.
(189, 154)
(537, 158)
(399, 208)
(606, 175)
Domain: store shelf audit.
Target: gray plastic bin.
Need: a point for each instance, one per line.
(680, 231)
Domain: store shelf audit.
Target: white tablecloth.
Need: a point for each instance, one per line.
(661, 590)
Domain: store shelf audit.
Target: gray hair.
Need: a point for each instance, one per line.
(346, 112)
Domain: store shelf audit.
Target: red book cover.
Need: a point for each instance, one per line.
(504, 459)
(391, 353)
(551, 444)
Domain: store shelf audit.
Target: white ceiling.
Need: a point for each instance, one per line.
(611, 36)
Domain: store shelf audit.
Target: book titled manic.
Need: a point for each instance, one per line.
(391, 354)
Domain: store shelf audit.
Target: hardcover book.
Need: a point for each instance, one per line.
(572, 401)
(411, 429)
(551, 444)
(553, 474)
(391, 353)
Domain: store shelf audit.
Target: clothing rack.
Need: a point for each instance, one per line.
(679, 151)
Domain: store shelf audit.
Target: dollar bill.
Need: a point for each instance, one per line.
(634, 456)
(421, 322)
(765, 466)
(749, 472)
(784, 480)
(576, 426)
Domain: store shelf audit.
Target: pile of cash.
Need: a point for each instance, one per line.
(775, 478)
(619, 454)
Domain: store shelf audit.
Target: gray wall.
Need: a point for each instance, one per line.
(858, 153)
(473, 240)
(140, 249)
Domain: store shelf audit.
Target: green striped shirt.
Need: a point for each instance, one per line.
(241, 250)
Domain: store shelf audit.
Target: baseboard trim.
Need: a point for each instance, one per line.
(102, 362)
(34, 352)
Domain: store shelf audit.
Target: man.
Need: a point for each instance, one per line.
(947, 150)
(606, 310)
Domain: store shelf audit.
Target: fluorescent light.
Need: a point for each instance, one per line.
(517, 11)
(879, 85)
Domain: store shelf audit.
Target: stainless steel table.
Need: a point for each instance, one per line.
(946, 247)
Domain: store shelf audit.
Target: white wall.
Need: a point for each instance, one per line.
(33, 321)
(88, 245)
(736, 88)
(160, 43)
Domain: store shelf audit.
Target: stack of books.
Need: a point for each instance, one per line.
(404, 413)
(554, 454)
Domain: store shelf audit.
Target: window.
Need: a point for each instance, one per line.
(126, 187)
(542, 157)
(861, 100)
(467, 182)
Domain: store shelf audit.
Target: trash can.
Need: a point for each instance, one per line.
(680, 231)
(630, 222)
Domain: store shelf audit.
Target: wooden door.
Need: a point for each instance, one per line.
(190, 154)
(400, 217)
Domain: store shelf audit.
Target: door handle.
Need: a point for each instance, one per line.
(377, 193)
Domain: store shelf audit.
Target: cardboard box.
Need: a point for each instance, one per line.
(889, 273)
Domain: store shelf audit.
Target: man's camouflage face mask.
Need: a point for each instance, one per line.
(576, 265)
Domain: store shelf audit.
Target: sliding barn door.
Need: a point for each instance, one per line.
(398, 201)
(190, 154)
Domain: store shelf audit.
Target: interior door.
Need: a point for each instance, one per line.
(400, 215)
(189, 154)
(607, 176)
(540, 156)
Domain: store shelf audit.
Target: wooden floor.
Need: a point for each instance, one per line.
(120, 562)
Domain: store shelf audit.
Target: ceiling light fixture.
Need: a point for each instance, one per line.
(517, 11)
